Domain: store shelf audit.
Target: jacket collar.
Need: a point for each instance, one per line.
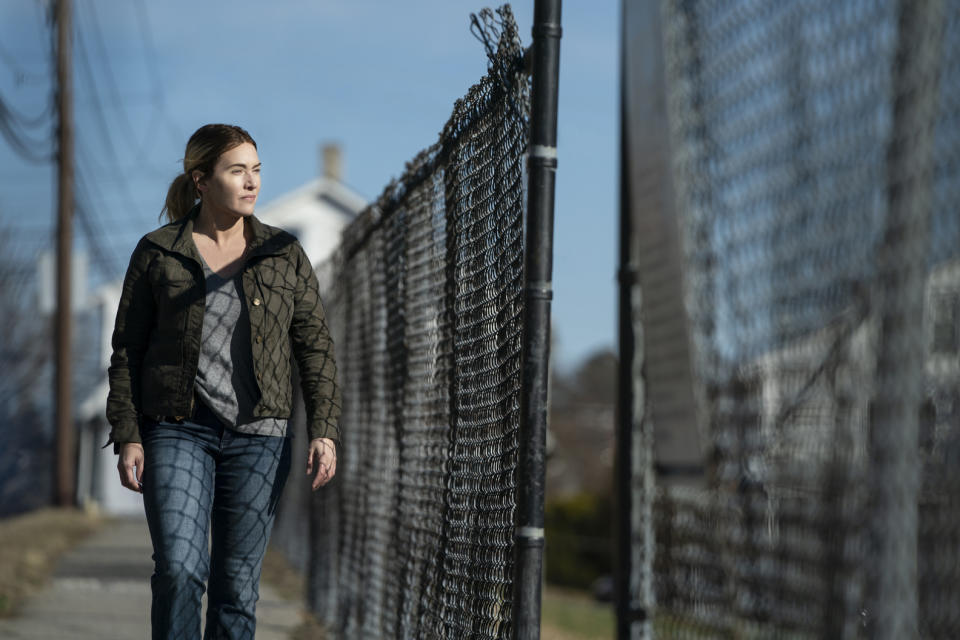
(177, 236)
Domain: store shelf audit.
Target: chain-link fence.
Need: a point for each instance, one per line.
(810, 487)
(414, 537)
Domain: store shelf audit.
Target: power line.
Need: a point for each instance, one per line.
(123, 191)
(114, 94)
(91, 218)
(101, 121)
(104, 260)
(20, 76)
(91, 191)
(15, 126)
(107, 267)
(19, 140)
(150, 53)
(44, 119)
(98, 110)
(150, 58)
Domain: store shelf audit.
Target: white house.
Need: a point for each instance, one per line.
(316, 213)
(811, 398)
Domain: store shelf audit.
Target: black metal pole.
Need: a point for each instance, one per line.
(623, 464)
(902, 261)
(538, 292)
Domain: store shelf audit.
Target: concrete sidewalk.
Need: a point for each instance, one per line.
(101, 591)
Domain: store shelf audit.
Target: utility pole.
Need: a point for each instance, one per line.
(64, 462)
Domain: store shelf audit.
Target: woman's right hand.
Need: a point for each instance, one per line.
(130, 466)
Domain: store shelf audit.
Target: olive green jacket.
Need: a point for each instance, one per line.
(156, 338)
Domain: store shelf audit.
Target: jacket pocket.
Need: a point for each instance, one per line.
(173, 284)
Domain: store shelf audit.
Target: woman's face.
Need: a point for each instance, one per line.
(233, 185)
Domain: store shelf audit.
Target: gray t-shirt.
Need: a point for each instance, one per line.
(225, 380)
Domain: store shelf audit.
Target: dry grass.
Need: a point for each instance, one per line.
(309, 630)
(282, 576)
(569, 614)
(30, 545)
(290, 584)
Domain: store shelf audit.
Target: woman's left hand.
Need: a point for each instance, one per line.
(322, 460)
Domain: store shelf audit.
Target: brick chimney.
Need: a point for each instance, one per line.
(331, 162)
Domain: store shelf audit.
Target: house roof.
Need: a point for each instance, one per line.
(315, 213)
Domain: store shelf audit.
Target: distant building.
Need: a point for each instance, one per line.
(315, 213)
(808, 403)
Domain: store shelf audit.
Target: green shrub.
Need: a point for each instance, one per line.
(579, 545)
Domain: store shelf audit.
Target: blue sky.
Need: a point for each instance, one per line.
(380, 78)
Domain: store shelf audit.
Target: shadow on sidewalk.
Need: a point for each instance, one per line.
(101, 590)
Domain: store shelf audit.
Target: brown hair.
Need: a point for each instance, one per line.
(204, 148)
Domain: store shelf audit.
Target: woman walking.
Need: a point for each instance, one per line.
(213, 305)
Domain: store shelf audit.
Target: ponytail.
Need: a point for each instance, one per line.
(181, 196)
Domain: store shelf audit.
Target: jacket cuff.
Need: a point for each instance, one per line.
(324, 430)
(121, 435)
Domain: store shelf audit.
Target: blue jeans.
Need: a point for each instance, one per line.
(201, 478)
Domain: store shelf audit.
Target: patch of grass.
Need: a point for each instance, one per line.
(568, 614)
(30, 545)
(668, 625)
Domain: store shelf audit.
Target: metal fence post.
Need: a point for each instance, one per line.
(892, 602)
(538, 292)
